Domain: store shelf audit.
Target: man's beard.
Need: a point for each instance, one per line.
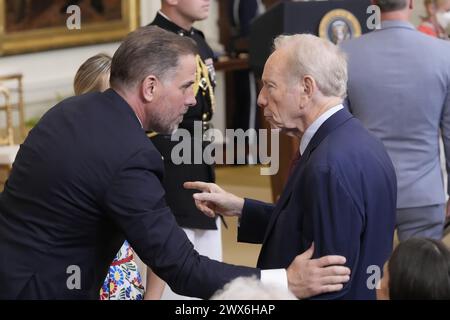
(162, 124)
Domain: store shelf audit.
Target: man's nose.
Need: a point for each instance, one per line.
(262, 100)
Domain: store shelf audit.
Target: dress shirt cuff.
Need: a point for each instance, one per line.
(275, 277)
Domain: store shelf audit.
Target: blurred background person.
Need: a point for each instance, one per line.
(437, 20)
(93, 75)
(124, 281)
(419, 269)
(179, 16)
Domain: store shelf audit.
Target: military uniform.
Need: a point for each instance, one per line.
(179, 199)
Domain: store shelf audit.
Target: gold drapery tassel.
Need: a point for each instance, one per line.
(203, 81)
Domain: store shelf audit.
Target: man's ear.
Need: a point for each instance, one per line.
(171, 2)
(149, 87)
(411, 4)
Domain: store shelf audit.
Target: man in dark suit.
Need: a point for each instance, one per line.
(341, 196)
(87, 177)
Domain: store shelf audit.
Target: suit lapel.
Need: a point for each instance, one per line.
(325, 129)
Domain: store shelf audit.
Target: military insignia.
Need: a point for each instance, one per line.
(212, 71)
(339, 25)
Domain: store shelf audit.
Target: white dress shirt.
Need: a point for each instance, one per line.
(312, 129)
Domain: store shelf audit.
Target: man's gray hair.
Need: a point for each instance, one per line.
(391, 5)
(318, 58)
(149, 51)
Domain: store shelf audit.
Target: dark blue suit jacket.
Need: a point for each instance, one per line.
(341, 196)
(86, 178)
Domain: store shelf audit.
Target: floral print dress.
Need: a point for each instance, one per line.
(123, 281)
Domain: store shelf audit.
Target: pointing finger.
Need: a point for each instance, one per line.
(198, 185)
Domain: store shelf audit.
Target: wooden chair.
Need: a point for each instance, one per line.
(6, 106)
(14, 83)
(8, 150)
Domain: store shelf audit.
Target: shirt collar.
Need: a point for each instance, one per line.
(387, 24)
(174, 27)
(164, 16)
(312, 129)
(140, 121)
